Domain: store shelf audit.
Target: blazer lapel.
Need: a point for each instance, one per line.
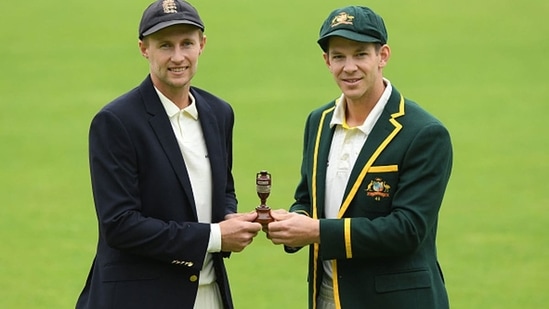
(160, 124)
(324, 135)
(383, 132)
(214, 144)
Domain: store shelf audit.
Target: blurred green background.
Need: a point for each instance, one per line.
(479, 66)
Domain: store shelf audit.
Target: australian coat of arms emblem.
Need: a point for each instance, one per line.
(342, 18)
(377, 189)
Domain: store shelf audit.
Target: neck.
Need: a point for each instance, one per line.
(181, 100)
(356, 114)
(357, 110)
(179, 96)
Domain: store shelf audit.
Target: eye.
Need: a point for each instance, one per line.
(188, 44)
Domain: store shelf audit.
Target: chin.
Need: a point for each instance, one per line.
(178, 83)
(353, 95)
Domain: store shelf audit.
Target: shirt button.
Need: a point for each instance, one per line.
(193, 278)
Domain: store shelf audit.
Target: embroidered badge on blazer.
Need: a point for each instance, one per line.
(377, 189)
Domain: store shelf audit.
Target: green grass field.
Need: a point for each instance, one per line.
(480, 66)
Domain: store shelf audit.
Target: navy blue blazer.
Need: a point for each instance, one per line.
(151, 247)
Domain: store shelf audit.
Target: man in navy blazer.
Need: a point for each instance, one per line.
(160, 161)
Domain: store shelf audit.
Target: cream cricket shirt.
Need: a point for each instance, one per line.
(191, 141)
(346, 145)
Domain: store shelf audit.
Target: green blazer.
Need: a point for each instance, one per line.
(383, 243)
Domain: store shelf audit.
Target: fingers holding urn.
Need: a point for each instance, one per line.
(238, 231)
(293, 230)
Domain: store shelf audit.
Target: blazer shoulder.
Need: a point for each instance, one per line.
(411, 112)
(135, 106)
(128, 100)
(415, 113)
(121, 107)
(210, 98)
(317, 113)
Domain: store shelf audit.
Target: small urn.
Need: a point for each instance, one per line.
(263, 187)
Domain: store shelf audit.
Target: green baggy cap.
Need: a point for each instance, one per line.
(357, 23)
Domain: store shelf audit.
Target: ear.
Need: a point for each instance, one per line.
(143, 48)
(384, 55)
(202, 45)
(327, 60)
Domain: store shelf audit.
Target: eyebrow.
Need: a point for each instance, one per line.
(356, 50)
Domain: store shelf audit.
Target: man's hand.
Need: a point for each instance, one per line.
(293, 230)
(238, 231)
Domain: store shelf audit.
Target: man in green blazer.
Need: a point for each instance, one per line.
(374, 171)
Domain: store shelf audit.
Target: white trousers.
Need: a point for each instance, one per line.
(208, 297)
(325, 298)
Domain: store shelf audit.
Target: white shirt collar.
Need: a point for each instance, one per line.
(369, 122)
(172, 109)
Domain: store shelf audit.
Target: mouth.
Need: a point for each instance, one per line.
(178, 69)
(351, 81)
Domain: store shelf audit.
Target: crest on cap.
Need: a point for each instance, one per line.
(169, 6)
(342, 18)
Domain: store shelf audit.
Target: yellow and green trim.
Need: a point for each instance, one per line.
(315, 198)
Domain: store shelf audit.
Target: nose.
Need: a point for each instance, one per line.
(350, 65)
(178, 55)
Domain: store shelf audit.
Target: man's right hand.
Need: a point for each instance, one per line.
(238, 231)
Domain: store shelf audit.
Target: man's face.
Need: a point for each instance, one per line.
(173, 56)
(356, 66)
